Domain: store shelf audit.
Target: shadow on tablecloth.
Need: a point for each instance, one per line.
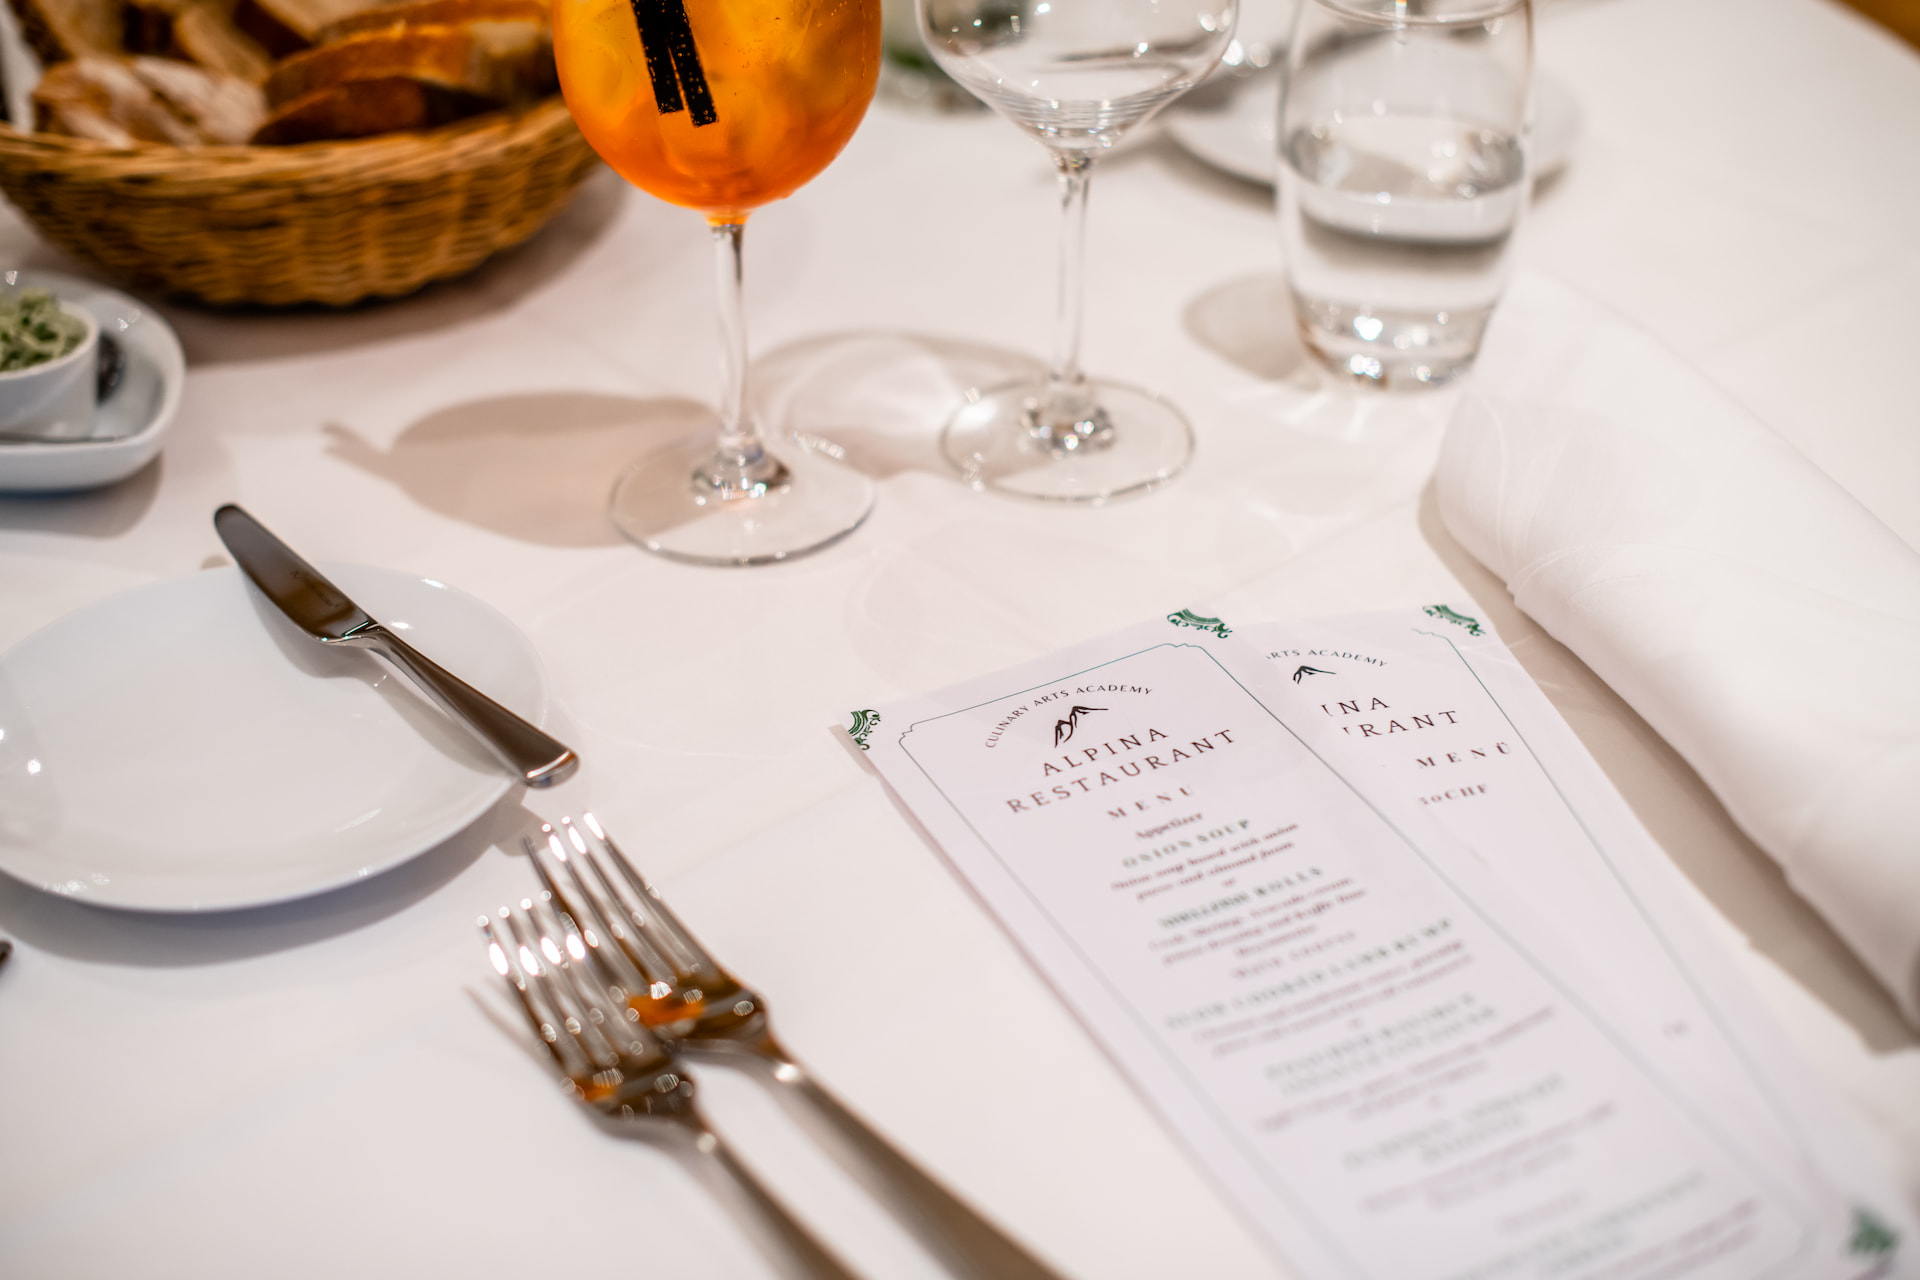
(214, 336)
(106, 512)
(1248, 321)
(538, 467)
(67, 927)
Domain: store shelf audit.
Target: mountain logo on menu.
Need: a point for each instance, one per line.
(1063, 729)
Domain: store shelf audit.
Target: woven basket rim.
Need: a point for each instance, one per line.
(360, 160)
(328, 222)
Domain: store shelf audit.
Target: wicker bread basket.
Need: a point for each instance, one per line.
(328, 222)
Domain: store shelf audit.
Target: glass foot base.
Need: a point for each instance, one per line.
(1132, 441)
(666, 504)
(1389, 347)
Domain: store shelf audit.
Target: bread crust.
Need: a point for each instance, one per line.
(207, 37)
(62, 29)
(363, 108)
(501, 62)
(435, 13)
(127, 100)
(198, 77)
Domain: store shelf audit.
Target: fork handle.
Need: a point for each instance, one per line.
(970, 1243)
(814, 1258)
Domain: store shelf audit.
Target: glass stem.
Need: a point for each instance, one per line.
(741, 466)
(1064, 417)
(1076, 170)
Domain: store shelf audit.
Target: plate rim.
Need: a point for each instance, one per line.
(1188, 129)
(484, 799)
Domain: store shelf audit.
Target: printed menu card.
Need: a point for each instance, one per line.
(1361, 919)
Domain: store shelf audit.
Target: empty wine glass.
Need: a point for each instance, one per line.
(1076, 74)
(723, 108)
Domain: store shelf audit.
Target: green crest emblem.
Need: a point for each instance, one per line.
(1445, 614)
(1188, 618)
(863, 722)
(1872, 1238)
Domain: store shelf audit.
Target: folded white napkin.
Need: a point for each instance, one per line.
(1760, 619)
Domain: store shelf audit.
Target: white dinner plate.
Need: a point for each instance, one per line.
(184, 747)
(1240, 135)
(130, 424)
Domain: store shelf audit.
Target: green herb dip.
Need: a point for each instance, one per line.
(34, 330)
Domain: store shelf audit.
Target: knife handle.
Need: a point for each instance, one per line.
(539, 759)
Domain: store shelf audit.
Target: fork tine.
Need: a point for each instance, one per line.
(543, 959)
(695, 962)
(608, 1055)
(628, 1073)
(629, 907)
(606, 1008)
(650, 973)
(631, 965)
(518, 964)
(504, 964)
(733, 1019)
(583, 914)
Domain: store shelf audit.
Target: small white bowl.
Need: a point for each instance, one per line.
(55, 400)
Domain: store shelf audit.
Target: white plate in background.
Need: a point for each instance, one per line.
(1240, 135)
(184, 747)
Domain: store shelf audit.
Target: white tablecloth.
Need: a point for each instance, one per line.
(314, 1089)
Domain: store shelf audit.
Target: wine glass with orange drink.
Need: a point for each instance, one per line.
(722, 106)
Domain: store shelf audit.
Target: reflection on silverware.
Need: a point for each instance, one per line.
(6, 949)
(677, 988)
(324, 612)
(610, 1060)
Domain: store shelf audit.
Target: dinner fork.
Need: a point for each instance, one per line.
(678, 989)
(612, 1063)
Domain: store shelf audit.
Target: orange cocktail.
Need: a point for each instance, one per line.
(721, 106)
(760, 98)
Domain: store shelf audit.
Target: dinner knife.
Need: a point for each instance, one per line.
(324, 612)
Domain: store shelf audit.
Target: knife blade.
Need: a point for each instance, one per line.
(324, 611)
